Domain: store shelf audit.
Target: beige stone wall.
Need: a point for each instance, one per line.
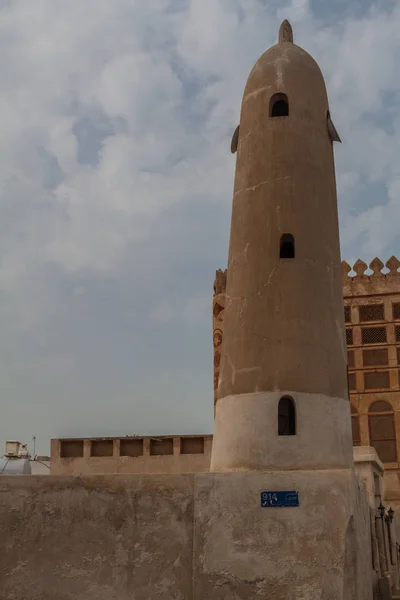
(370, 469)
(102, 537)
(163, 454)
(184, 537)
(319, 550)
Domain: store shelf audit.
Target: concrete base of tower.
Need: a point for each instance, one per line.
(246, 433)
(320, 549)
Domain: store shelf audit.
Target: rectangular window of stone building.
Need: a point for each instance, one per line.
(101, 448)
(373, 335)
(396, 310)
(397, 333)
(386, 450)
(371, 312)
(349, 337)
(161, 447)
(193, 445)
(376, 380)
(375, 357)
(383, 437)
(398, 355)
(352, 382)
(347, 314)
(131, 447)
(350, 359)
(71, 448)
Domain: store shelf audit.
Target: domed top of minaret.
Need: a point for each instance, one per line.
(287, 69)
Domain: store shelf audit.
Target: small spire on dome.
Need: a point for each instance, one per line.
(285, 32)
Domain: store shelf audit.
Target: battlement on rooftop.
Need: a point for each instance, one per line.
(383, 278)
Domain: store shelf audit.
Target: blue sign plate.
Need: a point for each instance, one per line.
(271, 499)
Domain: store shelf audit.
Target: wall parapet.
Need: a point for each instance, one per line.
(131, 454)
(377, 282)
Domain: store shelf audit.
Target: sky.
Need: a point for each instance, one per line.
(116, 186)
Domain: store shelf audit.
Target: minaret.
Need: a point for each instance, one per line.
(282, 399)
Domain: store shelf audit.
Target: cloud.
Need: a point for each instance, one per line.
(115, 192)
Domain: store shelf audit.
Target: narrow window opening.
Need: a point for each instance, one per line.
(286, 416)
(279, 106)
(235, 140)
(287, 246)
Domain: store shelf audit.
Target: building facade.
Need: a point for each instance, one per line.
(372, 320)
(149, 454)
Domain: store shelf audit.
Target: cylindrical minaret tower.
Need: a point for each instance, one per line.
(282, 400)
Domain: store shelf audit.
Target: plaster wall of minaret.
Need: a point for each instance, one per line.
(283, 353)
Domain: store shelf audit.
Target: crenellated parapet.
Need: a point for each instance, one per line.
(218, 318)
(377, 282)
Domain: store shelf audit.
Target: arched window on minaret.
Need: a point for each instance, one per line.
(279, 106)
(286, 416)
(286, 246)
(382, 433)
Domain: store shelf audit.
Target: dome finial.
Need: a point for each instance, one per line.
(285, 32)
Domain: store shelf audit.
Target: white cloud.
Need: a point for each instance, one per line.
(149, 93)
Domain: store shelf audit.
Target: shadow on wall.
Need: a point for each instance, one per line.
(350, 563)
